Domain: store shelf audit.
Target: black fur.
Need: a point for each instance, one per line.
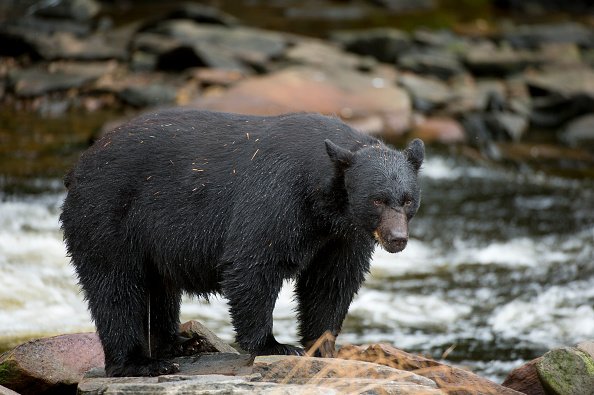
(203, 202)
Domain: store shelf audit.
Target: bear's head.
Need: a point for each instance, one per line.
(382, 189)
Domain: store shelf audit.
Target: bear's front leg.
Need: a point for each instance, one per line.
(325, 291)
(252, 294)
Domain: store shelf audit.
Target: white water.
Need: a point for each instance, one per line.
(435, 294)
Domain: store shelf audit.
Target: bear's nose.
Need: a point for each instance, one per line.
(397, 240)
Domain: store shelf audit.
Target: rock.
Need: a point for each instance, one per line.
(322, 11)
(449, 379)
(532, 36)
(211, 342)
(208, 76)
(321, 54)
(21, 39)
(439, 129)
(500, 61)
(438, 63)
(80, 10)
(52, 364)
(242, 42)
(348, 93)
(567, 371)
(184, 385)
(384, 44)
(566, 83)
(204, 14)
(426, 93)
(579, 132)
(406, 5)
(553, 110)
(36, 81)
(587, 347)
(153, 94)
(525, 379)
(292, 369)
(6, 391)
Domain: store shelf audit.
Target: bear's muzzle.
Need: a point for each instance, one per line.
(392, 232)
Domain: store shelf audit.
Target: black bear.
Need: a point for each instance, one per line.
(204, 202)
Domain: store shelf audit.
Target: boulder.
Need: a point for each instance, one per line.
(202, 13)
(450, 380)
(566, 371)
(525, 379)
(348, 93)
(50, 365)
(406, 5)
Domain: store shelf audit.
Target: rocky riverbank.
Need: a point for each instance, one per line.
(74, 364)
(522, 94)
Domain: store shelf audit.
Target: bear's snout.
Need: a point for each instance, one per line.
(392, 232)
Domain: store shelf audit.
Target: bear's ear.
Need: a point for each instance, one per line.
(415, 153)
(339, 155)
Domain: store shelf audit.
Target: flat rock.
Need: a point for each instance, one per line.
(228, 364)
(292, 369)
(191, 385)
(449, 379)
(36, 81)
(566, 371)
(532, 36)
(348, 93)
(439, 63)
(525, 379)
(500, 61)
(50, 364)
(568, 82)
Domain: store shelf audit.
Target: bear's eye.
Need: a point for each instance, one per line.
(378, 202)
(407, 203)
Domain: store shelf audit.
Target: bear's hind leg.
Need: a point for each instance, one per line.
(118, 301)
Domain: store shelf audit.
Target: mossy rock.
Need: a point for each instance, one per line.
(567, 371)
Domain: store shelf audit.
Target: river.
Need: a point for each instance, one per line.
(499, 269)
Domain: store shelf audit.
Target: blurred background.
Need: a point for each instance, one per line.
(500, 267)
